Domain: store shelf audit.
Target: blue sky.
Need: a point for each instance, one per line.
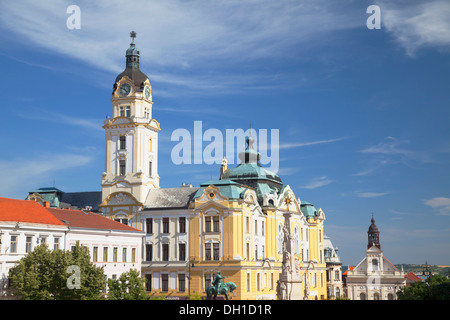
(362, 114)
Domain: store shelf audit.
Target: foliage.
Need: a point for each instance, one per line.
(436, 287)
(129, 286)
(43, 275)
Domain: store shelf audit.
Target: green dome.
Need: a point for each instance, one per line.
(250, 173)
(308, 209)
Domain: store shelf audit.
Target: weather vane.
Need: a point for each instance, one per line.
(132, 35)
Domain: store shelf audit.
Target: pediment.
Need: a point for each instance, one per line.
(120, 199)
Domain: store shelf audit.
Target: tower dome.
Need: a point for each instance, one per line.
(132, 70)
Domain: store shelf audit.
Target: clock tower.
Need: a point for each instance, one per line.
(131, 139)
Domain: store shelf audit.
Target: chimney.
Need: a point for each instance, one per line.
(47, 204)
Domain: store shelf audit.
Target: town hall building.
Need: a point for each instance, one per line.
(232, 224)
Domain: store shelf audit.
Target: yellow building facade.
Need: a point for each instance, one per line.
(233, 224)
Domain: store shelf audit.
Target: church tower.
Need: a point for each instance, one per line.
(373, 235)
(131, 136)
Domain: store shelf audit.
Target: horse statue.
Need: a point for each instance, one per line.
(224, 288)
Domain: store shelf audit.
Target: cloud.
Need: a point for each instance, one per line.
(441, 204)
(305, 144)
(44, 115)
(17, 174)
(190, 36)
(371, 194)
(388, 147)
(317, 183)
(417, 24)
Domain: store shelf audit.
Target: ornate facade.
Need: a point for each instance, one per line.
(375, 277)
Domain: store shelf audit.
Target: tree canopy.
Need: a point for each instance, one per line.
(45, 274)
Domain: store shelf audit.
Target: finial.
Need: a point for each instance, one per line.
(132, 36)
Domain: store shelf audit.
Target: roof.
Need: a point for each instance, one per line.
(26, 211)
(81, 200)
(89, 220)
(410, 276)
(167, 198)
(227, 188)
(346, 271)
(308, 209)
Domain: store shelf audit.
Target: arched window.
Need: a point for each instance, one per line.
(374, 264)
(280, 238)
(362, 296)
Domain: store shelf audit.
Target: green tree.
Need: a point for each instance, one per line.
(129, 286)
(43, 275)
(435, 287)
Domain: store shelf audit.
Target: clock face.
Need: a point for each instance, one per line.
(147, 92)
(125, 89)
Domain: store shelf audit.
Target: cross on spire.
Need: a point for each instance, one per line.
(132, 35)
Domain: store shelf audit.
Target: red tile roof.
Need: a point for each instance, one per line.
(25, 211)
(90, 220)
(412, 277)
(346, 271)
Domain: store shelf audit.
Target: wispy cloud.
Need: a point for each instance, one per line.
(441, 204)
(417, 24)
(187, 36)
(306, 144)
(317, 183)
(371, 194)
(20, 173)
(44, 115)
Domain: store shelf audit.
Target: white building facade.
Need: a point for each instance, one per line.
(375, 277)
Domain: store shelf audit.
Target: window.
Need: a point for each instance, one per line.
(258, 279)
(128, 111)
(115, 254)
(336, 275)
(124, 255)
(247, 251)
(133, 255)
(263, 252)
(182, 223)
(207, 224)
(105, 254)
(122, 142)
(181, 282)
(121, 111)
(95, 254)
(28, 244)
(182, 251)
(165, 250)
(248, 282)
(148, 282)
(271, 281)
(122, 169)
(13, 246)
(122, 220)
(262, 228)
(150, 169)
(207, 251)
(165, 225)
(207, 280)
(148, 252)
(216, 223)
(55, 243)
(256, 227)
(256, 252)
(247, 224)
(216, 251)
(164, 282)
(149, 225)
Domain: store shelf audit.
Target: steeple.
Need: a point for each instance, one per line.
(373, 235)
(132, 53)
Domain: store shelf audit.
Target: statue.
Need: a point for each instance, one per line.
(281, 290)
(219, 287)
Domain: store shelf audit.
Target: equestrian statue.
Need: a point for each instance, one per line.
(219, 287)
